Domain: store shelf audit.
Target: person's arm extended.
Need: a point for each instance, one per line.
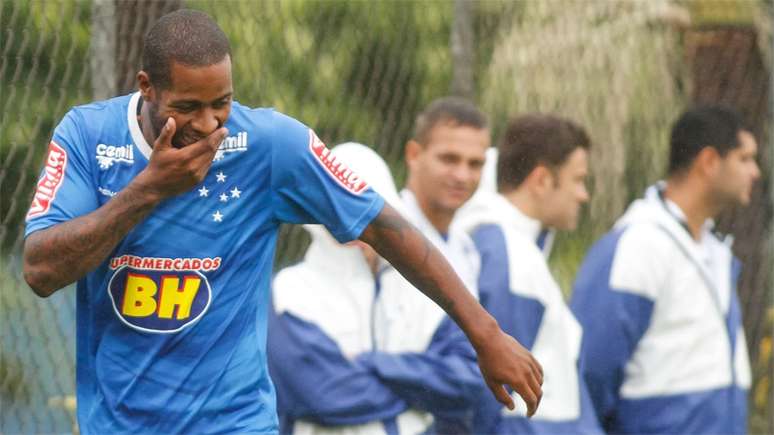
(443, 380)
(501, 358)
(61, 254)
(316, 382)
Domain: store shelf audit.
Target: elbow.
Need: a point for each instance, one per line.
(36, 283)
(36, 279)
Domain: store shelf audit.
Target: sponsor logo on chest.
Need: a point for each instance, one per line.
(50, 182)
(160, 295)
(231, 144)
(109, 154)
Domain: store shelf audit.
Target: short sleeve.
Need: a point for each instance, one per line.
(310, 186)
(65, 189)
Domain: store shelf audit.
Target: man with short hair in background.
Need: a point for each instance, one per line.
(445, 158)
(664, 348)
(542, 164)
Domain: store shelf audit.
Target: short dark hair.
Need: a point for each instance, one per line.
(700, 127)
(536, 139)
(185, 36)
(448, 110)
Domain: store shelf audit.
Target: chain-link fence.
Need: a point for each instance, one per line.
(361, 71)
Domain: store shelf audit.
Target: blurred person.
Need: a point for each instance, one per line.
(323, 321)
(541, 169)
(165, 205)
(444, 159)
(664, 348)
(334, 371)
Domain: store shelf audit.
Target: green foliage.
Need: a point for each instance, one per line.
(351, 70)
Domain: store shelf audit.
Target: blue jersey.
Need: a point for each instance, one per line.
(168, 337)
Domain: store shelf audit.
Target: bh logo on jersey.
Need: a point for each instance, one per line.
(160, 295)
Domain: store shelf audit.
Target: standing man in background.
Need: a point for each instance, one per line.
(349, 351)
(542, 164)
(165, 206)
(664, 347)
(323, 322)
(445, 158)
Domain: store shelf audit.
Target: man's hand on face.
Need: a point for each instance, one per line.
(173, 171)
(503, 361)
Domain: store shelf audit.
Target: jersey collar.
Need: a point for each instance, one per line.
(134, 127)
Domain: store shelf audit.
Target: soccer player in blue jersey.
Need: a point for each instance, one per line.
(164, 206)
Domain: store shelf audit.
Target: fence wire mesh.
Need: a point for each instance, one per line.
(361, 71)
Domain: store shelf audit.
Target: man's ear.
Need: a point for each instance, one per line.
(144, 84)
(708, 161)
(540, 180)
(413, 149)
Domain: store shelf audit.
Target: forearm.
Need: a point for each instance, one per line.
(424, 266)
(440, 384)
(316, 382)
(64, 253)
(443, 379)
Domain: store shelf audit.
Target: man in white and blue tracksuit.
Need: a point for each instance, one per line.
(542, 163)
(664, 350)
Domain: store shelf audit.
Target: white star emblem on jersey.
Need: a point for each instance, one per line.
(203, 191)
(223, 197)
(217, 217)
(235, 192)
(221, 177)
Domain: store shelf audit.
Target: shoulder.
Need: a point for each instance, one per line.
(94, 113)
(502, 239)
(500, 244)
(263, 121)
(289, 277)
(289, 285)
(644, 237)
(88, 122)
(635, 258)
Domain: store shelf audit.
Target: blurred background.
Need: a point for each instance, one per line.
(361, 71)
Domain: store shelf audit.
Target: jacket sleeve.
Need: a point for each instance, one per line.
(316, 382)
(613, 318)
(518, 312)
(444, 380)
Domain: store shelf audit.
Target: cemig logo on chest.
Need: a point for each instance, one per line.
(109, 154)
(339, 171)
(50, 182)
(160, 295)
(231, 144)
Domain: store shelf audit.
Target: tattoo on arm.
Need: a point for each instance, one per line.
(64, 253)
(414, 256)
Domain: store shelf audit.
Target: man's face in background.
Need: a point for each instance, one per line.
(445, 172)
(561, 205)
(737, 172)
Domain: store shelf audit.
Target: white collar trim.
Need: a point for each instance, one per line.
(134, 127)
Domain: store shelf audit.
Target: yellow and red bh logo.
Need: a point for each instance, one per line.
(159, 301)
